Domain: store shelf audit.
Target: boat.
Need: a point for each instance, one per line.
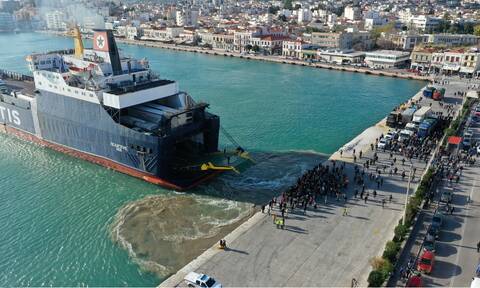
(113, 110)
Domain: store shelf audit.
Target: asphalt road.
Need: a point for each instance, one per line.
(456, 256)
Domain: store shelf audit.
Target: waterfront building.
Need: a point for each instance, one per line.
(421, 58)
(452, 61)
(223, 42)
(7, 22)
(294, 48)
(341, 57)
(269, 44)
(332, 40)
(470, 65)
(55, 20)
(242, 39)
(387, 59)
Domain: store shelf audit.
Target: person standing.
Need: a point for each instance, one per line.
(478, 247)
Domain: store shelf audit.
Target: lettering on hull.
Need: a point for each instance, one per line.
(10, 116)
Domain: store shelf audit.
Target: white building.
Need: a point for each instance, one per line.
(424, 23)
(55, 20)
(386, 59)
(304, 15)
(352, 13)
(186, 17)
(454, 39)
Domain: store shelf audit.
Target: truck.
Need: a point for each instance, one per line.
(421, 114)
(407, 115)
(428, 92)
(194, 279)
(426, 127)
(394, 119)
(438, 94)
(405, 135)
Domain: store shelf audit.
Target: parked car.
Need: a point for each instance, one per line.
(429, 245)
(383, 143)
(415, 281)
(447, 196)
(391, 135)
(201, 281)
(437, 220)
(426, 262)
(466, 143)
(432, 233)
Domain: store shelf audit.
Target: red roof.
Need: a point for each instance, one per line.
(455, 140)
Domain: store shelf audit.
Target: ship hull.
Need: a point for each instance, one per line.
(103, 161)
(86, 131)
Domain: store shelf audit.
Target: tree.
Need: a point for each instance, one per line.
(476, 30)
(273, 9)
(288, 4)
(248, 47)
(255, 48)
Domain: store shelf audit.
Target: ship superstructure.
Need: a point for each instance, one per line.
(113, 110)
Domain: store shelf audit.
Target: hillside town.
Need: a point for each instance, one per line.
(436, 36)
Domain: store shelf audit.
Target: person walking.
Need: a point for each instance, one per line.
(345, 211)
(478, 247)
(383, 203)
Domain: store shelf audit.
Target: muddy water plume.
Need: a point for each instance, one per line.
(162, 233)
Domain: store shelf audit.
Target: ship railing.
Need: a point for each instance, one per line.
(11, 75)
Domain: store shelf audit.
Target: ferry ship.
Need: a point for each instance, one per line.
(112, 110)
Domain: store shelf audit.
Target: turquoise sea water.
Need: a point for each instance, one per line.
(56, 212)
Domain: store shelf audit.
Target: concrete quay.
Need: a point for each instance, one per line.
(321, 247)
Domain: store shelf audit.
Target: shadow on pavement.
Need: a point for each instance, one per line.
(445, 270)
(295, 229)
(446, 236)
(445, 250)
(227, 249)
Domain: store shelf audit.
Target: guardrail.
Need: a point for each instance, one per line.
(5, 74)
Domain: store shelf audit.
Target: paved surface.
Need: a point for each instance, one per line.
(321, 248)
(456, 252)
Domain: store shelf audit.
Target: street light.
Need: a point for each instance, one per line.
(406, 196)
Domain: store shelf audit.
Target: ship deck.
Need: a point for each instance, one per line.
(26, 88)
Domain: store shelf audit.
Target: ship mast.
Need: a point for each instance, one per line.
(78, 42)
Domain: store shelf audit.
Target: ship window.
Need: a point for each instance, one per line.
(76, 92)
(91, 94)
(39, 83)
(50, 85)
(68, 89)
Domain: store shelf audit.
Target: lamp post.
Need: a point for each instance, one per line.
(406, 196)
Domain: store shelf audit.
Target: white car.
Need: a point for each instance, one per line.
(383, 143)
(478, 149)
(475, 283)
(391, 135)
(201, 281)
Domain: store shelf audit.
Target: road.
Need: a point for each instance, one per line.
(456, 252)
